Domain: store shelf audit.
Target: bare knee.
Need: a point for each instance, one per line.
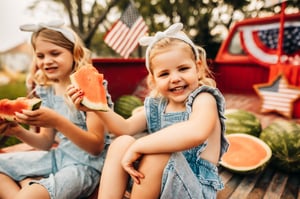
(34, 191)
(123, 139)
(8, 187)
(26, 181)
(121, 143)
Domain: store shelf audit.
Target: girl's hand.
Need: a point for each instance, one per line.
(9, 128)
(42, 117)
(3, 126)
(130, 157)
(76, 96)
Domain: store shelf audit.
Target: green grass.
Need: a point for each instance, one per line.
(12, 90)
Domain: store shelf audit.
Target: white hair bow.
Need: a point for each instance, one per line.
(174, 31)
(56, 25)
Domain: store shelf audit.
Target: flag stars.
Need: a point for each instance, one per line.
(278, 96)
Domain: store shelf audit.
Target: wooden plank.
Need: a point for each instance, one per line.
(262, 184)
(292, 187)
(230, 186)
(276, 186)
(245, 187)
(225, 175)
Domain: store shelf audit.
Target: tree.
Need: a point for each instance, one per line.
(205, 20)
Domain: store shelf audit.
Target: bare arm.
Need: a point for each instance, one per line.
(91, 141)
(115, 123)
(119, 126)
(184, 135)
(42, 140)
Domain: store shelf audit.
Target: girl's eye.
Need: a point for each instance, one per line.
(184, 68)
(163, 74)
(40, 56)
(55, 53)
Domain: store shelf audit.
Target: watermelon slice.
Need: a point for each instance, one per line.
(90, 81)
(246, 154)
(9, 107)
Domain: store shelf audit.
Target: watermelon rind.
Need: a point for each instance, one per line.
(95, 106)
(249, 169)
(283, 137)
(32, 104)
(242, 121)
(35, 103)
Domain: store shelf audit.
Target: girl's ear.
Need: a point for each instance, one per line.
(199, 67)
(151, 81)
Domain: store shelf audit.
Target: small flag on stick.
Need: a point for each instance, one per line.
(124, 35)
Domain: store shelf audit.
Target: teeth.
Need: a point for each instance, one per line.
(177, 88)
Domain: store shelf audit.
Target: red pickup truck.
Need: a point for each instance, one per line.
(248, 56)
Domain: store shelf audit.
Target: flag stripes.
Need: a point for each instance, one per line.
(124, 35)
(278, 97)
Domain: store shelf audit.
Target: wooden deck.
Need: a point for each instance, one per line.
(269, 184)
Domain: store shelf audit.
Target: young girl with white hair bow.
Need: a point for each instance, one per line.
(72, 169)
(184, 116)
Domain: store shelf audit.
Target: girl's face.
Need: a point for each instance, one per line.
(175, 74)
(56, 62)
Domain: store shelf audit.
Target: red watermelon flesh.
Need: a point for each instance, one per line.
(90, 81)
(9, 107)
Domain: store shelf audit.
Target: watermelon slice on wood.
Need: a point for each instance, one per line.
(90, 81)
(246, 154)
(9, 107)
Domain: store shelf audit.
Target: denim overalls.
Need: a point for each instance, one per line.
(187, 176)
(68, 171)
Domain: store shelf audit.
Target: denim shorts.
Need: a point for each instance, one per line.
(63, 177)
(179, 181)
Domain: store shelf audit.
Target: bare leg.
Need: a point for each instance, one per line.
(34, 191)
(25, 182)
(8, 187)
(151, 184)
(114, 179)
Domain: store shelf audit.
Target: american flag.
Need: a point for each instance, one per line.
(278, 96)
(261, 41)
(124, 35)
(291, 39)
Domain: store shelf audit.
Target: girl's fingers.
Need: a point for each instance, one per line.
(71, 90)
(75, 95)
(136, 175)
(21, 116)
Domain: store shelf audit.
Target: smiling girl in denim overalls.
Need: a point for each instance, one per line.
(184, 118)
(72, 169)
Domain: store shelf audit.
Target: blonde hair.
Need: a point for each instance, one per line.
(81, 55)
(206, 76)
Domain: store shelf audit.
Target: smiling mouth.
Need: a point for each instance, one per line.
(180, 88)
(50, 68)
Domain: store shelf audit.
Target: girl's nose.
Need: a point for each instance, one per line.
(48, 60)
(175, 77)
